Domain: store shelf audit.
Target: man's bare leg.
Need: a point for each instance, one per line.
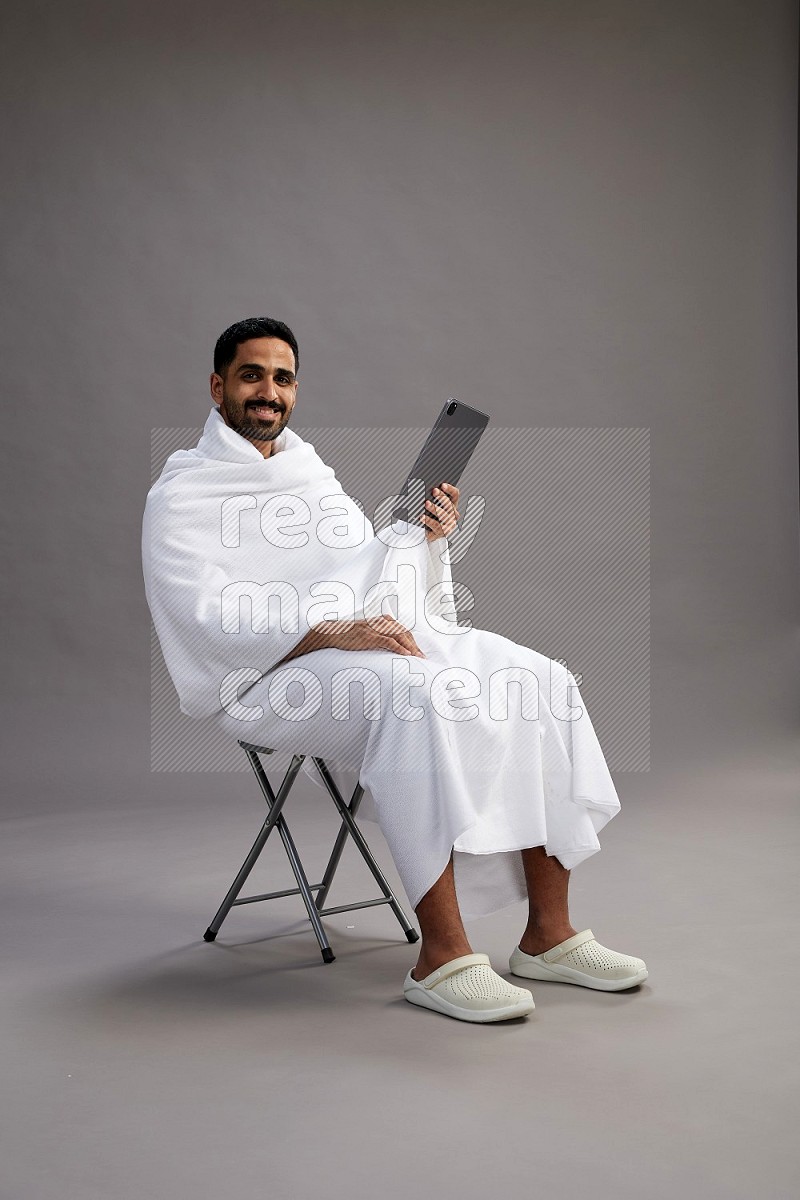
(443, 934)
(548, 909)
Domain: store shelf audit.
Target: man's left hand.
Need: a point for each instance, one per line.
(441, 518)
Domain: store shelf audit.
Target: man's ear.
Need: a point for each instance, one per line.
(216, 387)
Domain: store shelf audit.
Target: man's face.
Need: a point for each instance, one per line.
(258, 390)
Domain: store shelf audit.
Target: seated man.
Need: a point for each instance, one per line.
(479, 802)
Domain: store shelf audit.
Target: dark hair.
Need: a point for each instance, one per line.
(243, 331)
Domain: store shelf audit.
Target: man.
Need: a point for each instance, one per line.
(486, 806)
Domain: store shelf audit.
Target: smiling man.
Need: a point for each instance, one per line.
(479, 810)
(255, 382)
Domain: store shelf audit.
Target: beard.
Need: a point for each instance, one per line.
(244, 421)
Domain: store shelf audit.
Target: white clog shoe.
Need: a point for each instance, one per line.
(468, 989)
(581, 959)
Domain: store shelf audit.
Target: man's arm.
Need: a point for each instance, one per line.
(381, 633)
(386, 634)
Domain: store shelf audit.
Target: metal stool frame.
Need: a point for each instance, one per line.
(275, 803)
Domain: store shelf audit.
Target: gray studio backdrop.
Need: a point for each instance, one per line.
(576, 216)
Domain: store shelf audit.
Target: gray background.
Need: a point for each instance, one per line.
(577, 215)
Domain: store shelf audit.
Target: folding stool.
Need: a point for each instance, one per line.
(275, 803)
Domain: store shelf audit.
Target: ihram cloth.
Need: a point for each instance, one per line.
(452, 756)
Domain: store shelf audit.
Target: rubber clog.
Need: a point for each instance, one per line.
(580, 959)
(468, 989)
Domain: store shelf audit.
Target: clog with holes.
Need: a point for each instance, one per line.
(580, 959)
(468, 989)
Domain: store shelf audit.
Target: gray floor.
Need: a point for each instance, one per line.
(142, 1062)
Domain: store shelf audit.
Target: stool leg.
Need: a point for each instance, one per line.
(305, 892)
(289, 846)
(338, 847)
(276, 804)
(350, 827)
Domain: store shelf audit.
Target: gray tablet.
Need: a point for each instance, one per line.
(446, 452)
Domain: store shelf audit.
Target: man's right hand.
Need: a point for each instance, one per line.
(377, 633)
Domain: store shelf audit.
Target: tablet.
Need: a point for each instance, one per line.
(446, 452)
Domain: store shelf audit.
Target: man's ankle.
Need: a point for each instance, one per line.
(431, 958)
(537, 939)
